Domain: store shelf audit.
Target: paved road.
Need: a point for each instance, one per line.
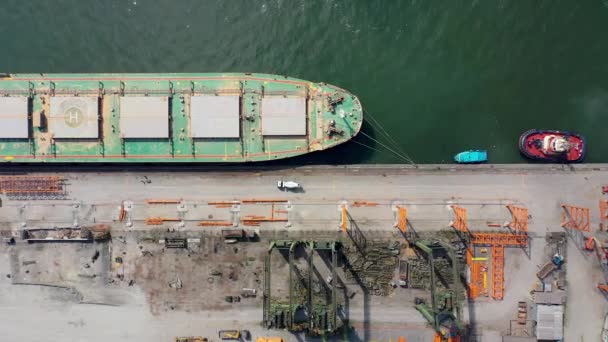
(426, 193)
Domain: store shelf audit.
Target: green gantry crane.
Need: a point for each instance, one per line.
(445, 311)
(321, 319)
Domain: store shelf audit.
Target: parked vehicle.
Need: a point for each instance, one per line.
(235, 335)
(230, 334)
(248, 293)
(232, 299)
(288, 185)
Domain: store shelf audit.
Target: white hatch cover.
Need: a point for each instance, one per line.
(13, 117)
(214, 116)
(283, 115)
(74, 117)
(144, 117)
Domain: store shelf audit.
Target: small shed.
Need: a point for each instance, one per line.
(550, 322)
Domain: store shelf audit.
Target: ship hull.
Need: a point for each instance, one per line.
(170, 118)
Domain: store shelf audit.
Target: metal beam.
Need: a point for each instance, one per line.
(500, 239)
(576, 218)
(603, 214)
(334, 300)
(311, 250)
(344, 219)
(290, 246)
(498, 268)
(401, 219)
(355, 233)
(519, 218)
(429, 253)
(460, 219)
(291, 310)
(456, 276)
(266, 309)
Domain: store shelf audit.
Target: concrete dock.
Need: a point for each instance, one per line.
(66, 295)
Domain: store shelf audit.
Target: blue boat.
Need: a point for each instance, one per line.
(471, 157)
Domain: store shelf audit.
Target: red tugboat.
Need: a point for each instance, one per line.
(553, 146)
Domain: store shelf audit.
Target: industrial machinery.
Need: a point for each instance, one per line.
(230, 334)
(191, 339)
(249, 293)
(593, 244)
(320, 319)
(270, 339)
(444, 311)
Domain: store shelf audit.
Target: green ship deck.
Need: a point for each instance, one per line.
(126, 118)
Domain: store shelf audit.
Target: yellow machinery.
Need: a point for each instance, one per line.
(270, 339)
(191, 339)
(230, 334)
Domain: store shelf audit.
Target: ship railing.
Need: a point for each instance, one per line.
(154, 92)
(300, 93)
(207, 91)
(147, 92)
(71, 92)
(15, 92)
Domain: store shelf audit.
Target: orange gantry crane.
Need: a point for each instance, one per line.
(343, 218)
(500, 239)
(122, 214)
(576, 218)
(401, 219)
(577, 221)
(476, 282)
(350, 227)
(439, 338)
(498, 275)
(460, 219)
(497, 242)
(519, 218)
(603, 214)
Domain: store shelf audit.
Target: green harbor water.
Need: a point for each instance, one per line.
(438, 76)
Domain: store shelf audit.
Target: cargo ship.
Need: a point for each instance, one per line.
(165, 118)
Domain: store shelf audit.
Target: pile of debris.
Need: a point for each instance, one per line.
(55, 234)
(374, 266)
(420, 273)
(97, 232)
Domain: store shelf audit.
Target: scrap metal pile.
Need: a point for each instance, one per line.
(420, 273)
(33, 187)
(373, 266)
(96, 232)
